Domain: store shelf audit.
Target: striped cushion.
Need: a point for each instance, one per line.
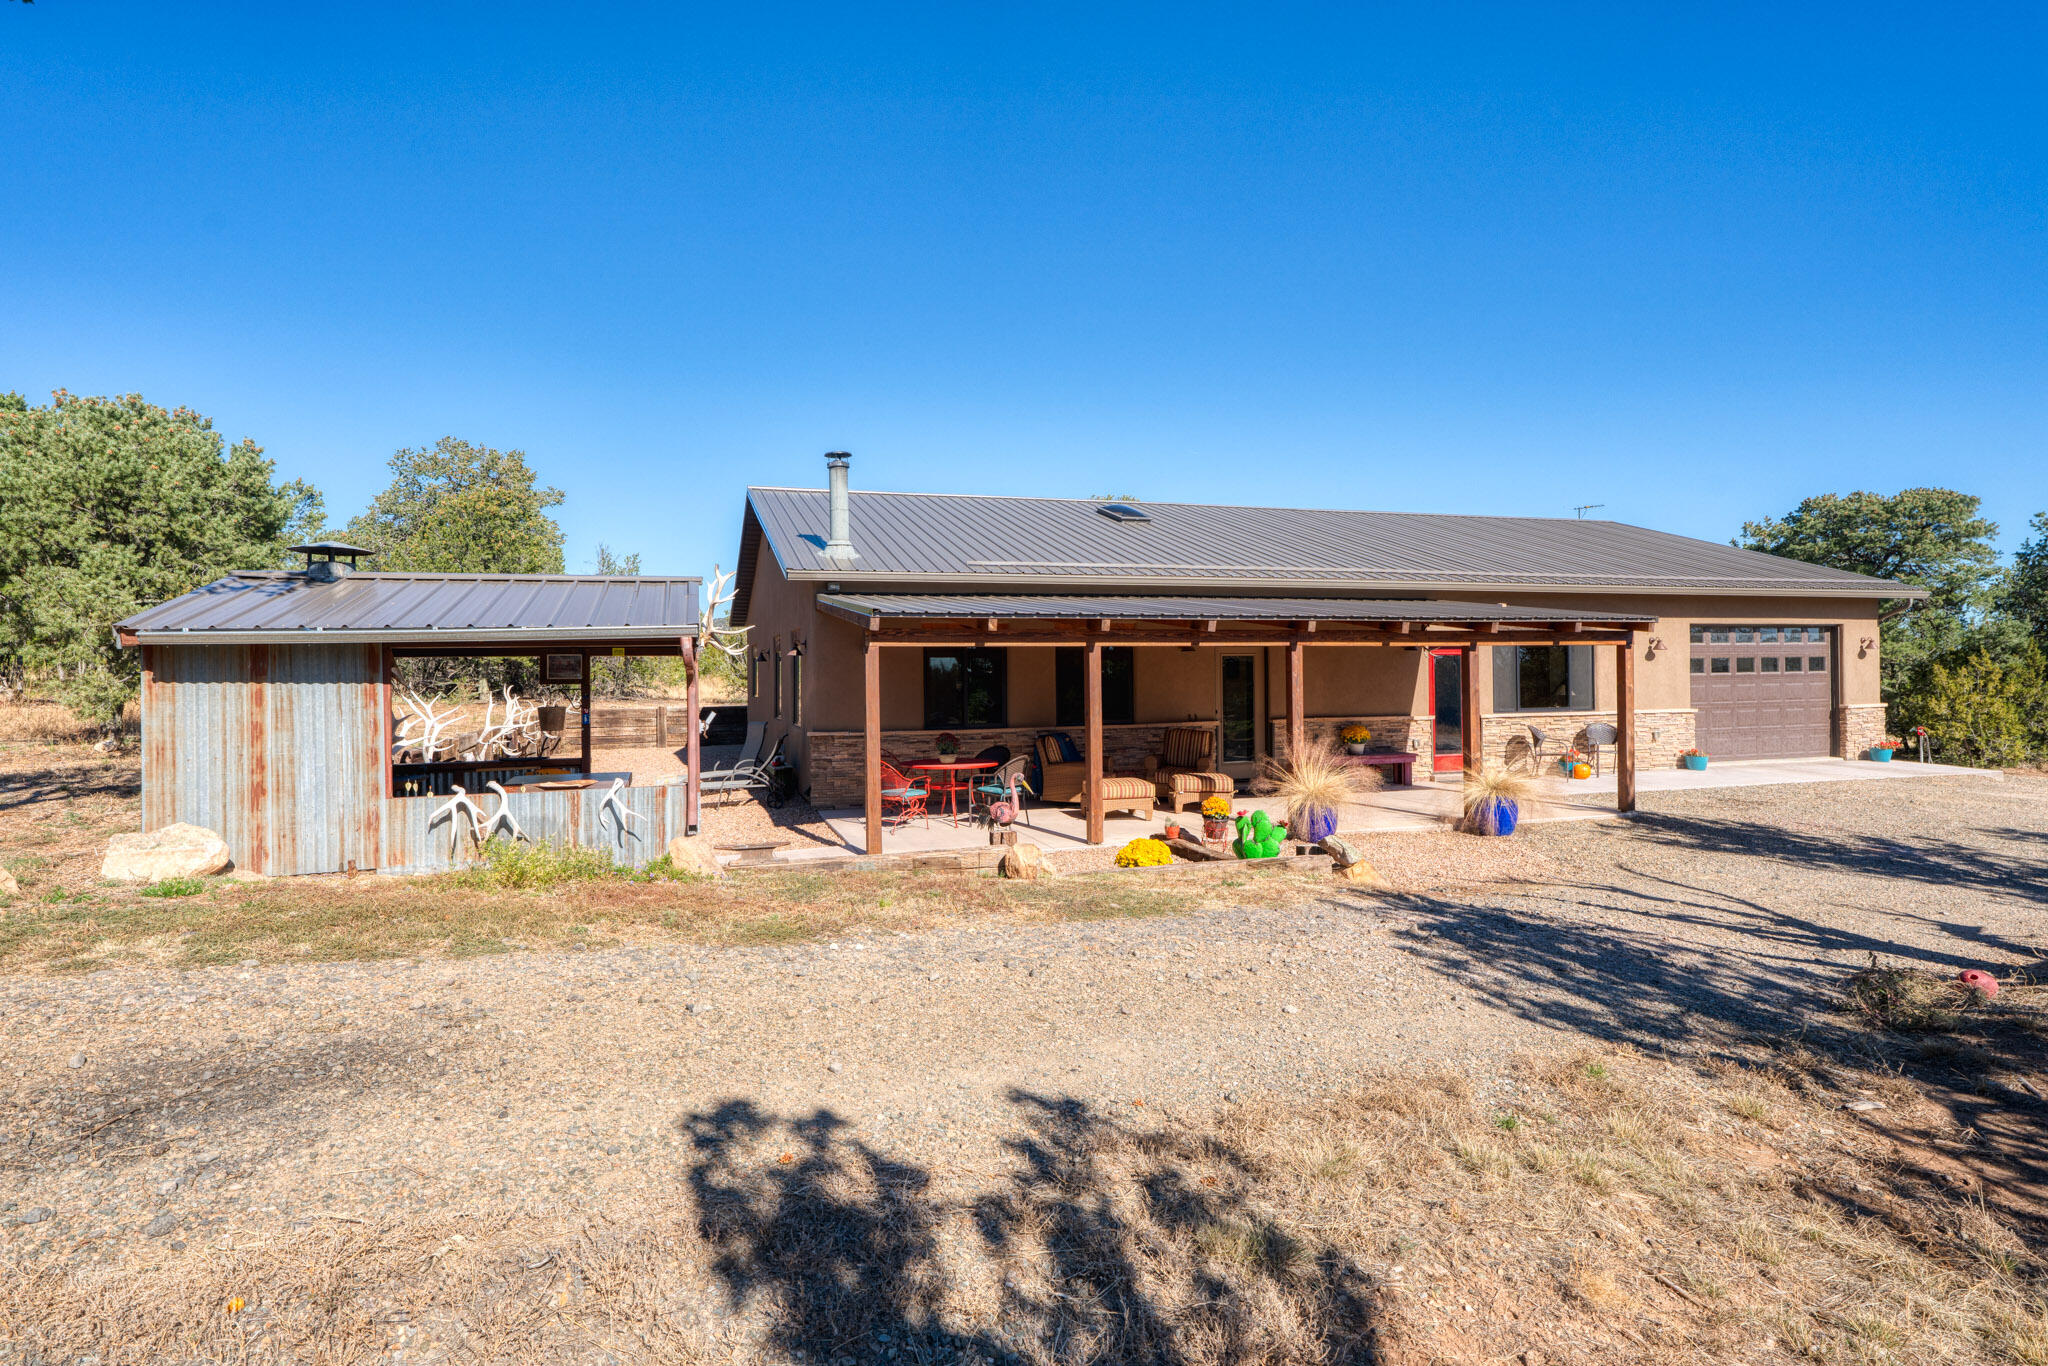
(1185, 747)
(1187, 781)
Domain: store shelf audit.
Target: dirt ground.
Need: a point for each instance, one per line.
(1595, 1106)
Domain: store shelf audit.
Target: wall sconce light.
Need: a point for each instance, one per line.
(1865, 646)
(796, 650)
(1656, 644)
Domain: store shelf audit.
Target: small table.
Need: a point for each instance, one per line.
(1402, 764)
(952, 786)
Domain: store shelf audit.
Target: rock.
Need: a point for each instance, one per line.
(77, 1060)
(159, 1226)
(8, 886)
(1363, 874)
(1864, 1105)
(834, 1067)
(1342, 851)
(174, 851)
(166, 1187)
(110, 745)
(36, 1215)
(694, 855)
(1025, 862)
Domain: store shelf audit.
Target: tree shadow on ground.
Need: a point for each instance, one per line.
(1104, 1244)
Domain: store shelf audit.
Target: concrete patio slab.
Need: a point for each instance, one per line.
(1424, 806)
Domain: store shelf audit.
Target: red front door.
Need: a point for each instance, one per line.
(1447, 707)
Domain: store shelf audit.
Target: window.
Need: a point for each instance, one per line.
(1542, 678)
(1744, 664)
(775, 676)
(1770, 664)
(1718, 666)
(1816, 664)
(1745, 635)
(1793, 664)
(1767, 635)
(1718, 636)
(1699, 666)
(965, 688)
(1699, 635)
(796, 687)
(1119, 686)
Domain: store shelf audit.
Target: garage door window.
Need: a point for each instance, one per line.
(1717, 666)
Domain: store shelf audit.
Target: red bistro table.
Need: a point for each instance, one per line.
(953, 787)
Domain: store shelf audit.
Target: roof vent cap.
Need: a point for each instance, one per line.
(324, 559)
(1123, 512)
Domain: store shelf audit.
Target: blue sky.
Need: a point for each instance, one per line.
(1693, 265)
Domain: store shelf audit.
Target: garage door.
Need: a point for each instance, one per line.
(1762, 692)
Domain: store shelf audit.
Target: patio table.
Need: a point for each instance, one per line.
(951, 785)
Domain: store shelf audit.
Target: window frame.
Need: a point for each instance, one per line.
(1581, 691)
(999, 656)
(1119, 694)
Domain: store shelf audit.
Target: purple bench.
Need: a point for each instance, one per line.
(1403, 765)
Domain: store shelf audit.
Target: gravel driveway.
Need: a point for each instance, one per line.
(145, 1111)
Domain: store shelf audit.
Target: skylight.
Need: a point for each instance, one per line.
(1124, 512)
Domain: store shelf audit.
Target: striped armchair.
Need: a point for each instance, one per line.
(1182, 770)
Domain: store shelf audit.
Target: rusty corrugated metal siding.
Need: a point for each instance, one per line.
(278, 748)
(571, 818)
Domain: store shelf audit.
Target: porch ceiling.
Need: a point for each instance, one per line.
(875, 610)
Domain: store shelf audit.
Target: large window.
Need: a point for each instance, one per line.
(965, 688)
(1542, 678)
(1119, 686)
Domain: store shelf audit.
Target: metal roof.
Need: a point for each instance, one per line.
(413, 609)
(920, 537)
(1008, 607)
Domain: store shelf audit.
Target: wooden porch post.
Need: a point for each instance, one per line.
(693, 757)
(1093, 674)
(871, 739)
(1625, 728)
(1468, 683)
(584, 762)
(1297, 720)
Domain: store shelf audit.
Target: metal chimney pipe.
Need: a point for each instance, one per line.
(839, 544)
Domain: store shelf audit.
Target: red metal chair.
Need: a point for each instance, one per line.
(906, 796)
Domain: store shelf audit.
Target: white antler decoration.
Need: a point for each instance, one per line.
(502, 816)
(457, 806)
(620, 811)
(718, 598)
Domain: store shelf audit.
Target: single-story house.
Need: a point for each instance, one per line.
(271, 713)
(880, 620)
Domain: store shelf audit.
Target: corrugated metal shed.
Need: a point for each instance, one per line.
(901, 537)
(1008, 607)
(417, 609)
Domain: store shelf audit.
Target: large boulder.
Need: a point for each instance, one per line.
(1342, 850)
(1363, 874)
(1026, 862)
(174, 851)
(694, 855)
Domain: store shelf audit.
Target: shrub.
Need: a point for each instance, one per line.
(174, 886)
(526, 866)
(1144, 853)
(1989, 712)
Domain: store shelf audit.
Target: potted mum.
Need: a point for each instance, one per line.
(1493, 799)
(1355, 737)
(1215, 818)
(1883, 750)
(1694, 759)
(947, 745)
(1569, 763)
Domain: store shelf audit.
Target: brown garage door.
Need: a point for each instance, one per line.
(1762, 692)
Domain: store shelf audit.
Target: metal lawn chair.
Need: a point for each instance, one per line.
(1006, 786)
(906, 796)
(754, 777)
(750, 752)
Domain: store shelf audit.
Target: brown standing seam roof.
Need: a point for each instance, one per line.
(926, 538)
(370, 607)
(1007, 607)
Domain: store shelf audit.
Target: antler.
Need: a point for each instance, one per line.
(718, 597)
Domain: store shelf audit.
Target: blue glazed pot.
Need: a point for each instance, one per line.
(1314, 825)
(1696, 762)
(1883, 756)
(1496, 818)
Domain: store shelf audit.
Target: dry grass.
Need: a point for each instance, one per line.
(1399, 1223)
(36, 722)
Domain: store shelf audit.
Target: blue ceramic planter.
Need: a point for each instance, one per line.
(1496, 818)
(1883, 756)
(1696, 762)
(1315, 826)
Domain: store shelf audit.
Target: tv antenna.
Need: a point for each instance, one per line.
(1583, 508)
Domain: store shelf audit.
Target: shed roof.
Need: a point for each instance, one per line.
(1169, 607)
(420, 609)
(903, 538)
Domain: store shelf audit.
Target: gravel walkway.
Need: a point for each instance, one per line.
(143, 1111)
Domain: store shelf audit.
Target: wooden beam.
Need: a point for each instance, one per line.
(991, 625)
(871, 736)
(1092, 674)
(1625, 728)
(693, 746)
(1474, 726)
(584, 762)
(1297, 709)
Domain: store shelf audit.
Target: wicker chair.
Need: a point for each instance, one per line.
(1060, 778)
(1597, 736)
(1183, 769)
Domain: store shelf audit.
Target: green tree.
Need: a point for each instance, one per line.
(2026, 590)
(461, 508)
(1989, 711)
(1929, 537)
(108, 505)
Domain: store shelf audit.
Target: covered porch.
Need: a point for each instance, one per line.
(1198, 626)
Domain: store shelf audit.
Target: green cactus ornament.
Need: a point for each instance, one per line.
(1258, 836)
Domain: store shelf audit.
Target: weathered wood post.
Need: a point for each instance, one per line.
(1093, 773)
(1625, 726)
(871, 737)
